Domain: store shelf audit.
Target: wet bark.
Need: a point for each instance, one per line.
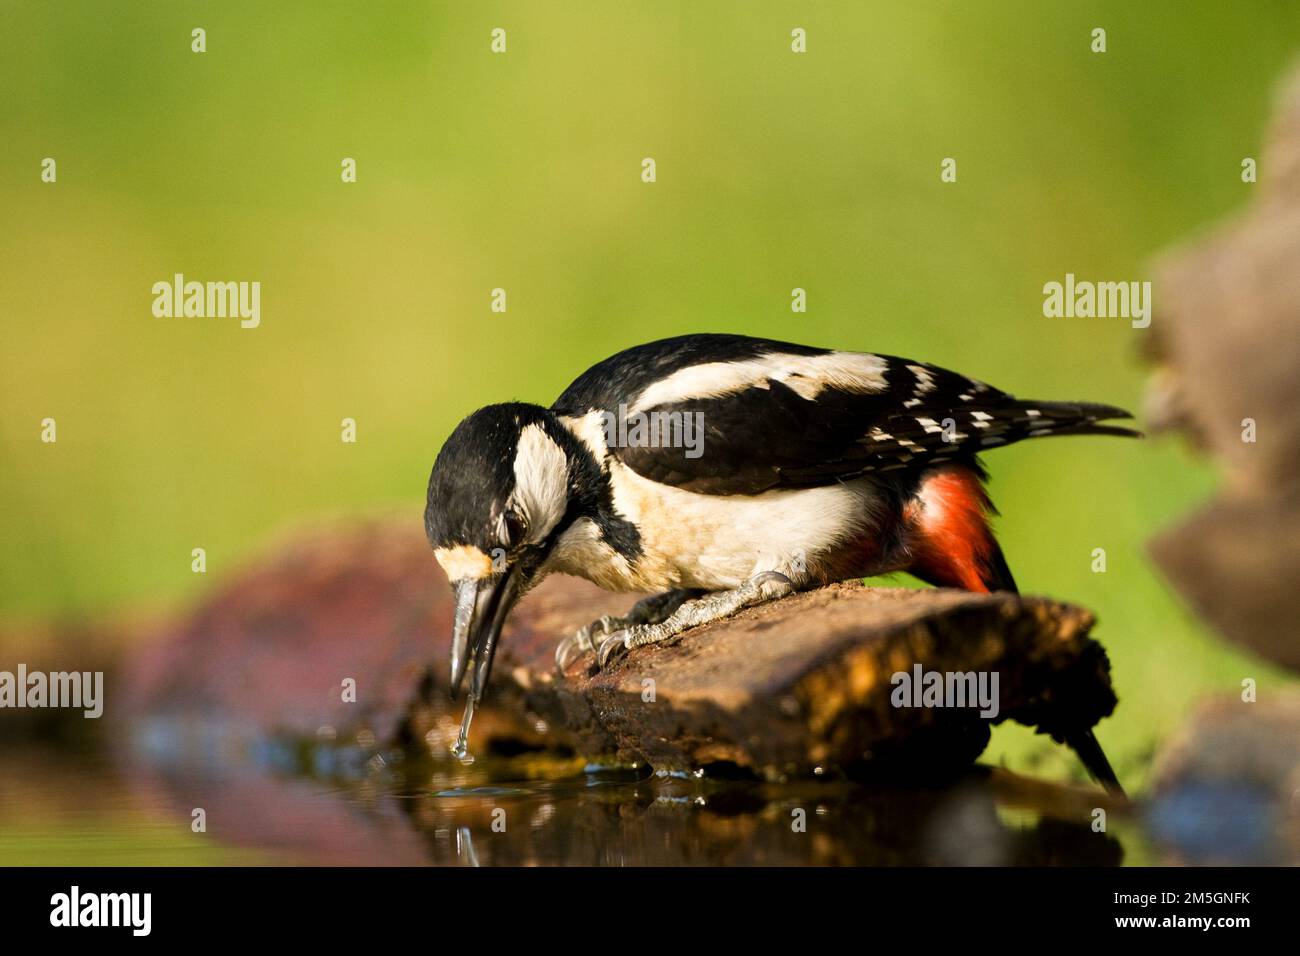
(786, 688)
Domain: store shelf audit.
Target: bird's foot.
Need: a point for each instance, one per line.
(767, 586)
(650, 610)
(583, 640)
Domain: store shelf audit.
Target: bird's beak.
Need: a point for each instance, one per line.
(482, 605)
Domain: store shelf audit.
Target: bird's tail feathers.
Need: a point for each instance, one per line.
(1094, 759)
(1073, 418)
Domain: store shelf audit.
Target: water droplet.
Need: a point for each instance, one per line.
(461, 750)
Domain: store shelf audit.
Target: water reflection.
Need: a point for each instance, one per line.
(541, 809)
(601, 819)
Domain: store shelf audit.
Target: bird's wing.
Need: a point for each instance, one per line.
(734, 415)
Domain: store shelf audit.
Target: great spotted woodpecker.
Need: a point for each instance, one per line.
(774, 467)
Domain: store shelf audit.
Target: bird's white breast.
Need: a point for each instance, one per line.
(717, 541)
(714, 542)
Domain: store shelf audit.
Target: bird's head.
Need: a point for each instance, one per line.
(500, 495)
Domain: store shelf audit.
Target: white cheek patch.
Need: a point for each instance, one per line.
(541, 481)
(463, 561)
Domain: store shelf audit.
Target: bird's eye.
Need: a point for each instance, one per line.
(515, 528)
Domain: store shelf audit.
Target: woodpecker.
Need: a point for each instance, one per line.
(721, 471)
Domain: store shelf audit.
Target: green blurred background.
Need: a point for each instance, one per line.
(522, 171)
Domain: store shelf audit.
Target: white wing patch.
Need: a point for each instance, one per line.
(590, 430)
(541, 481)
(807, 375)
(924, 380)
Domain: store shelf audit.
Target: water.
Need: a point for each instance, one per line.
(281, 804)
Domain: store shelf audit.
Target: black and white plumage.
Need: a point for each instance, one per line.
(809, 466)
(787, 416)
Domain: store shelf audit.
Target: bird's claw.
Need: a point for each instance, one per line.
(770, 584)
(582, 642)
(615, 645)
(573, 647)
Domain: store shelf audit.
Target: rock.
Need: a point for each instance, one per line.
(1236, 562)
(63, 645)
(1227, 785)
(780, 689)
(266, 655)
(1229, 377)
